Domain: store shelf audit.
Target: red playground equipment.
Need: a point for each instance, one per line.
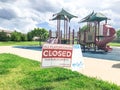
(109, 35)
(96, 36)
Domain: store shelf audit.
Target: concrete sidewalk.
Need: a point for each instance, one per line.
(31, 54)
(102, 69)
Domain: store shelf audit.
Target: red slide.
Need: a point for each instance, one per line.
(109, 35)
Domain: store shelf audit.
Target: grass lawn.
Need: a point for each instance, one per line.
(114, 44)
(11, 43)
(17, 73)
(36, 43)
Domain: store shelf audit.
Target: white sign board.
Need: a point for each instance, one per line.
(77, 58)
(62, 55)
(56, 55)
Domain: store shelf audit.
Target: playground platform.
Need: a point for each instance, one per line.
(105, 69)
(100, 54)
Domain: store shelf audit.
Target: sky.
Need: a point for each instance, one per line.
(25, 15)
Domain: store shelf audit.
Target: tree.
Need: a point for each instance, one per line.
(3, 36)
(85, 27)
(38, 32)
(118, 34)
(29, 36)
(16, 36)
(23, 37)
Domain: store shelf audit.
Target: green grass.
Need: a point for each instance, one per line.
(17, 73)
(11, 43)
(36, 43)
(114, 44)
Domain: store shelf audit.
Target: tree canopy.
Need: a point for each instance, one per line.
(38, 32)
(17, 36)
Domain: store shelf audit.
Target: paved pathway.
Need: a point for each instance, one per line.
(102, 69)
(31, 54)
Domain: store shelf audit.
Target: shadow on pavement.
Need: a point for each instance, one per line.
(116, 65)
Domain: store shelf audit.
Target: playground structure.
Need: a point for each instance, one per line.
(53, 39)
(95, 36)
(62, 37)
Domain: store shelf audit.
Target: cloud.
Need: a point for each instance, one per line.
(7, 13)
(24, 25)
(44, 5)
(24, 15)
(115, 6)
(8, 0)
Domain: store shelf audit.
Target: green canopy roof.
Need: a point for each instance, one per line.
(94, 17)
(63, 15)
(85, 19)
(98, 17)
(60, 17)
